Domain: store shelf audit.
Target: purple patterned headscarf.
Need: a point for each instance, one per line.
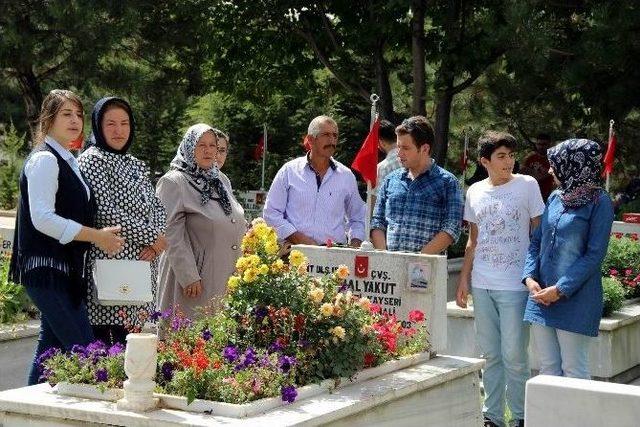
(577, 163)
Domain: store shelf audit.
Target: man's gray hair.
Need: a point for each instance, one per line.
(314, 126)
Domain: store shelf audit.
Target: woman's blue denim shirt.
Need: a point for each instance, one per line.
(567, 250)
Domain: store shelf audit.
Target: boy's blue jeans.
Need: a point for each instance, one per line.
(62, 324)
(503, 338)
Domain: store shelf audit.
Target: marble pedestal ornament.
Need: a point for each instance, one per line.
(140, 361)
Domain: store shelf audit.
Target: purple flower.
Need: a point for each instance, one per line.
(166, 313)
(180, 322)
(167, 371)
(79, 350)
(47, 354)
(230, 353)
(261, 312)
(303, 343)
(96, 347)
(286, 362)
(101, 375)
(155, 316)
(276, 347)
(265, 362)
(115, 349)
(343, 287)
(206, 335)
(248, 359)
(288, 393)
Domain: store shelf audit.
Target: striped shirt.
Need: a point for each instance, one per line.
(388, 165)
(321, 208)
(412, 212)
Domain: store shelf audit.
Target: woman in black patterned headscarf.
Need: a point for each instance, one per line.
(562, 270)
(205, 224)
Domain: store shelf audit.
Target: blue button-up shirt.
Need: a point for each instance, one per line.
(326, 208)
(413, 211)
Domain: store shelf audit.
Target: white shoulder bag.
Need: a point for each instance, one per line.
(123, 281)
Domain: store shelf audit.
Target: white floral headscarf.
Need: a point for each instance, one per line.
(206, 181)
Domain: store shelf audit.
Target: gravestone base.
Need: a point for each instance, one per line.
(440, 392)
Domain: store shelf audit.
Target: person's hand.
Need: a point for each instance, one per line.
(547, 296)
(147, 254)
(532, 285)
(462, 293)
(193, 290)
(109, 241)
(160, 245)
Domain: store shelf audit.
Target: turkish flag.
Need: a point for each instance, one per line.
(610, 156)
(77, 143)
(361, 266)
(258, 152)
(366, 161)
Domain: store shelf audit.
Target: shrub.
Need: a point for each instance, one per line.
(623, 262)
(613, 294)
(15, 305)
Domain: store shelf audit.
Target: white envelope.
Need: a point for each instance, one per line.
(123, 281)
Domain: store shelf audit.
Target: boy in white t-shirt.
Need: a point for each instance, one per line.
(502, 210)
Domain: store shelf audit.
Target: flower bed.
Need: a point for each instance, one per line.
(279, 331)
(621, 271)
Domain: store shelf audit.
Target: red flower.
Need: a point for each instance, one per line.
(633, 236)
(329, 243)
(299, 321)
(618, 235)
(375, 308)
(613, 272)
(416, 316)
(409, 332)
(369, 359)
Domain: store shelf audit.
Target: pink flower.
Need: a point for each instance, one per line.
(613, 272)
(375, 308)
(628, 272)
(416, 316)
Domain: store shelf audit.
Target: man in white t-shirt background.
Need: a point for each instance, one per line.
(502, 211)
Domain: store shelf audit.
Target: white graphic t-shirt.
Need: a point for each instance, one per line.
(502, 214)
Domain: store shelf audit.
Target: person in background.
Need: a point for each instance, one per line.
(536, 164)
(562, 270)
(54, 226)
(205, 225)
(223, 147)
(124, 195)
(387, 143)
(501, 211)
(315, 198)
(419, 207)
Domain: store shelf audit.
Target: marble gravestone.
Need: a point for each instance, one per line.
(398, 282)
(7, 224)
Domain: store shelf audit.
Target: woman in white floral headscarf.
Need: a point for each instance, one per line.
(205, 225)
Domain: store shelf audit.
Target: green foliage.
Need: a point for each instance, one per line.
(11, 144)
(613, 294)
(631, 207)
(15, 305)
(623, 262)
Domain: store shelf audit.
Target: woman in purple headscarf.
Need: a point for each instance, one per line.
(562, 270)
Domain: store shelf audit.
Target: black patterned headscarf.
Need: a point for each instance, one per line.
(577, 163)
(97, 136)
(206, 181)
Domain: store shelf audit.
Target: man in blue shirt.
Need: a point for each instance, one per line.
(419, 206)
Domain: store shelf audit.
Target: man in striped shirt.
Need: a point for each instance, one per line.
(419, 207)
(315, 198)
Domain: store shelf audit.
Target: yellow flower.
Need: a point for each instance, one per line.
(242, 263)
(250, 275)
(264, 269)
(233, 283)
(338, 332)
(296, 258)
(365, 303)
(271, 247)
(316, 295)
(326, 309)
(302, 268)
(254, 260)
(342, 272)
(339, 296)
(277, 266)
(257, 221)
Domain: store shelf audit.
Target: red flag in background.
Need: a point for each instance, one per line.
(366, 161)
(258, 152)
(610, 156)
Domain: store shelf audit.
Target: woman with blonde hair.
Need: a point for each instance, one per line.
(54, 229)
